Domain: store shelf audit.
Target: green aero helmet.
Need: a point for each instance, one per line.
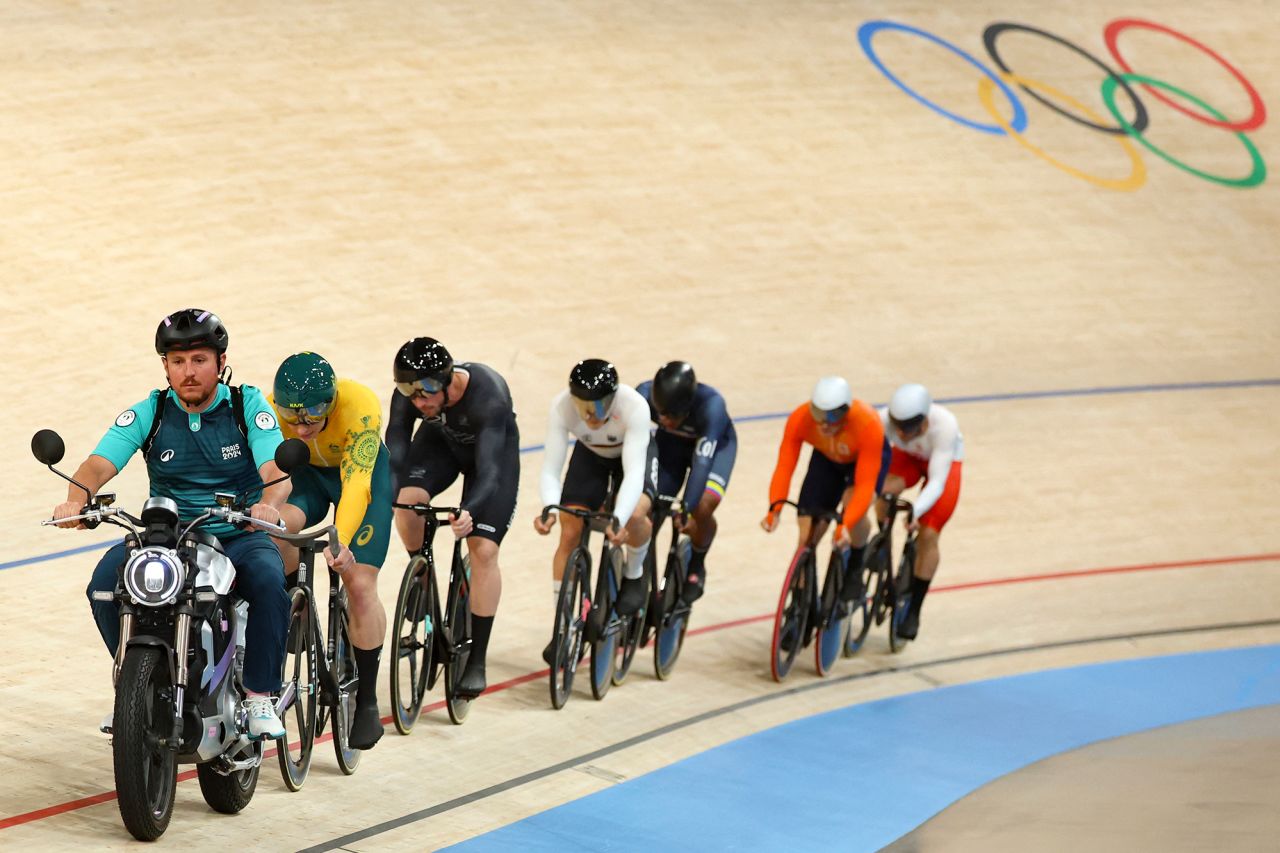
(306, 389)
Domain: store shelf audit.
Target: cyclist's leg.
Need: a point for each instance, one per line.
(368, 626)
(639, 537)
(492, 520)
(928, 554)
(429, 469)
(704, 521)
(107, 613)
(260, 582)
(824, 483)
(308, 504)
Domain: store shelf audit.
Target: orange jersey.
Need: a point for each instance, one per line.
(860, 440)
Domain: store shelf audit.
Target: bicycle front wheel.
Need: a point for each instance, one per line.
(606, 623)
(861, 608)
(294, 749)
(833, 617)
(673, 619)
(791, 621)
(343, 667)
(412, 645)
(457, 623)
(571, 614)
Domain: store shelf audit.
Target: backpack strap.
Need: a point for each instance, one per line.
(237, 409)
(155, 424)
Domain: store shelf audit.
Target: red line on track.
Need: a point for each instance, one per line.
(108, 796)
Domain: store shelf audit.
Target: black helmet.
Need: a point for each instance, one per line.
(422, 365)
(674, 386)
(593, 379)
(191, 328)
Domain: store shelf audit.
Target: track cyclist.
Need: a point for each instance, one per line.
(849, 461)
(469, 429)
(927, 443)
(200, 436)
(611, 424)
(696, 437)
(341, 422)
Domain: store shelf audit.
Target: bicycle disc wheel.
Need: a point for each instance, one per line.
(833, 618)
(605, 644)
(294, 749)
(674, 614)
(791, 620)
(457, 619)
(860, 615)
(412, 645)
(566, 639)
(344, 672)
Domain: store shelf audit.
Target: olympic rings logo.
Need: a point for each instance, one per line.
(1123, 129)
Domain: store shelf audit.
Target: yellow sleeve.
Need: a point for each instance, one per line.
(361, 414)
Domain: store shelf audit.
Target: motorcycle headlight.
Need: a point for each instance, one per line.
(153, 576)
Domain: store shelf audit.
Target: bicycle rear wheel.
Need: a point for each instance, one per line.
(791, 621)
(605, 644)
(457, 624)
(343, 667)
(572, 609)
(674, 613)
(833, 617)
(294, 749)
(412, 645)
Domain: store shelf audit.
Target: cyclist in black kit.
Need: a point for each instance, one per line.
(469, 429)
(695, 435)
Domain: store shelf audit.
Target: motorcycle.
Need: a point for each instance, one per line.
(178, 666)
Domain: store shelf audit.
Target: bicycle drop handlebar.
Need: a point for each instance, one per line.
(584, 514)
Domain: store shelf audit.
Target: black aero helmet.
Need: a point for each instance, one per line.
(191, 328)
(422, 365)
(593, 379)
(674, 386)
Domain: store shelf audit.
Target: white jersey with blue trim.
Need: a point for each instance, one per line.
(624, 433)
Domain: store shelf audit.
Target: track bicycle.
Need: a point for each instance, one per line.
(424, 638)
(807, 614)
(586, 619)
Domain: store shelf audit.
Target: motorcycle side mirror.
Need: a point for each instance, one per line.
(47, 446)
(292, 453)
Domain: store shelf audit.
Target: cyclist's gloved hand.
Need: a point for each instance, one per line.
(769, 522)
(841, 539)
(462, 524)
(544, 527)
(618, 537)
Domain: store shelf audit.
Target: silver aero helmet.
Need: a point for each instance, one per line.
(831, 400)
(909, 406)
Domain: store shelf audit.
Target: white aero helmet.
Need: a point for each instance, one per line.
(909, 406)
(831, 399)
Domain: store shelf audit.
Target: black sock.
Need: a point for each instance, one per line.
(697, 559)
(367, 668)
(481, 627)
(919, 587)
(855, 557)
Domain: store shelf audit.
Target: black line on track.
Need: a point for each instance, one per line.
(551, 770)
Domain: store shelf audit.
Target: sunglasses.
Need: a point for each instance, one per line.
(419, 387)
(597, 409)
(306, 415)
(828, 416)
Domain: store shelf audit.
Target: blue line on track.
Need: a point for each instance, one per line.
(773, 416)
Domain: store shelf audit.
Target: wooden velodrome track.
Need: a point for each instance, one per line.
(728, 182)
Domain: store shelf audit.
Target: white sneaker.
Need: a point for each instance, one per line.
(263, 721)
(107, 721)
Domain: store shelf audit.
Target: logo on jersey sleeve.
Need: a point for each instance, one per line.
(126, 417)
(265, 420)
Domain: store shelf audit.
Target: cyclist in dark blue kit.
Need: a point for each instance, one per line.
(695, 436)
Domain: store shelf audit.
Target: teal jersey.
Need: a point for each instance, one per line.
(195, 455)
